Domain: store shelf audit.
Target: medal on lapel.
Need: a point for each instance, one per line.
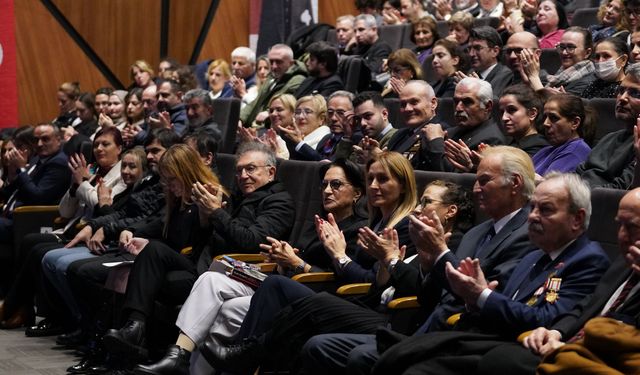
(534, 297)
(552, 287)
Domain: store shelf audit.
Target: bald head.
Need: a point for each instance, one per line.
(417, 103)
(515, 44)
(629, 219)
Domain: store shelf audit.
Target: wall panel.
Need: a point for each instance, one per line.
(47, 56)
(185, 23)
(229, 29)
(328, 11)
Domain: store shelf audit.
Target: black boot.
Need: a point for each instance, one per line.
(176, 361)
(241, 358)
(128, 340)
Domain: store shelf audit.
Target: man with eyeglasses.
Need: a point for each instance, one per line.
(484, 50)
(339, 114)
(321, 66)
(516, 44)
(611, 162)
(576, 71)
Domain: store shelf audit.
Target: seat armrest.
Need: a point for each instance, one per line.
(404, 303)
(351, 289)
(247, 258)
(314, 277)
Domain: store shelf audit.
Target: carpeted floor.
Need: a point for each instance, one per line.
(21, 355)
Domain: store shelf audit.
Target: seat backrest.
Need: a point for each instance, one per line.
(427, 70)
(406, 39)
(354, 73)
(443, 28)
(393, 107)
(607, 121)
(392, 34)
(226, 113)
(445, 110)
(226, 164)
(332, 36)
(603, 227)
(302, 181)
(550, 60)
(487, 21)
(585, 17)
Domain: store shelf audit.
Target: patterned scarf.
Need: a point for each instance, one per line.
(572, 73)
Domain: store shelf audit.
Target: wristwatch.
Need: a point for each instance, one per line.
(392, 264)
(300, 268)
(343, 261)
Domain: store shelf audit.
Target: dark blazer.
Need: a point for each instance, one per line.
(374, 54)
(580, 267)
(323, 86)
(413, 144)
(307, 152)
(530, 144)
(570, 323)
(46, 184)
(498, 259)
(499, 77)
(487, 132)
(446, 88)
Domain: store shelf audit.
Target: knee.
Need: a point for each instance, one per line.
(361, 359)
(312, 350)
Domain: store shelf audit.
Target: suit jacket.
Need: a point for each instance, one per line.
(580, 267)
(307, 152)
(45, 185)
(499, 77)
(487, 132)
(498, 259)
(414, 146)
(374, 54)
(570, 323)
(323, 86)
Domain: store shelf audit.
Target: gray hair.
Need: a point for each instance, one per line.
(288, 51)
(484, 92)
(198, 94)
(269, 155)
(369, 20)
(342, 94)
(634, 71)
(514, 161)
(245, 52)
(579, 193)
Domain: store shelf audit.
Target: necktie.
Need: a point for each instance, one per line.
(485, 241)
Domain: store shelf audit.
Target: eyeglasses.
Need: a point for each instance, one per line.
(632, 92)
(249, 169)
(568, 47)
(338, 112)
(335, 184)
(634, 11)
(304, 112)
(425, 201)
(476, 48)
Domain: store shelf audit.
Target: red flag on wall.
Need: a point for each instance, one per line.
(8, 81)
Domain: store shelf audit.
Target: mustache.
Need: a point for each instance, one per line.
(536, 227)
(461, 114)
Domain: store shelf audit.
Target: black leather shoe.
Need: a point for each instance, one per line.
(46, 327)
(83, 366)
(129, 340)
(75, 338)
(241, 358)
(175, 362)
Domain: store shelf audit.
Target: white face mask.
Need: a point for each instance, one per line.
(607, 70)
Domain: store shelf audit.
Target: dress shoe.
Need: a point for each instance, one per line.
(241, 358)
(175, 362)
(46, 327)
(87, 365)
(127, 340)
(21, 318)
(75, 338)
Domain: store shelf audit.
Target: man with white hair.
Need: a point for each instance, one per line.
(473, 101)
(285, 77)
(243, 67)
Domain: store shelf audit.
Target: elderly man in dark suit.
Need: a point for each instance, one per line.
(547, 282)
(617, 296)
(41, 180)
(473, 100)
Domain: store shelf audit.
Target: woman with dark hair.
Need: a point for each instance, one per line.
(448, 58)
(86, 112)
(610, 58)
(567, 122)
(521, 110)
(613, 19)
(218, 303)
(424, 32)
(89, 185)
(206, 145)
(551, 20)
(403, 66)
